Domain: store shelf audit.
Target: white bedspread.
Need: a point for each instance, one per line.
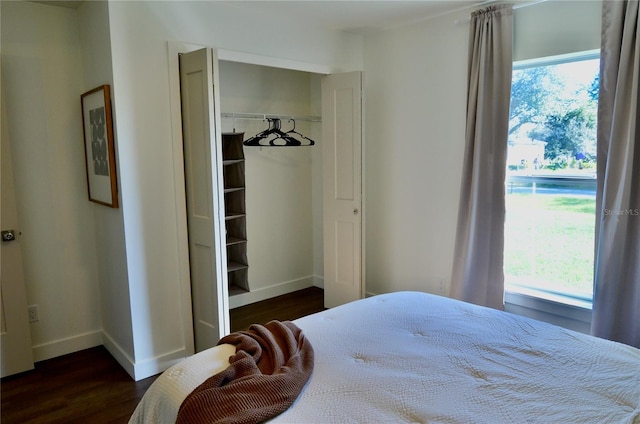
(415, 357)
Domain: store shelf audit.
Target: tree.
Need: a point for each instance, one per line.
(530, 97)
(544, 108)
(568, 134)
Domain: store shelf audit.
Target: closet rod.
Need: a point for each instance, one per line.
(264, 116)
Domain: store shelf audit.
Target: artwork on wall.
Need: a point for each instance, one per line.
(99, 146)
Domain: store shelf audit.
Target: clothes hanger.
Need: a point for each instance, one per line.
(288, 140)
(274, 129)
(255, 140)
(293, 131)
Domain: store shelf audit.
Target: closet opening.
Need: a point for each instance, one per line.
(273, 183)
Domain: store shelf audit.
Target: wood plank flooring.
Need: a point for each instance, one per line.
(286, 307)
(90, 386)
(83, 387)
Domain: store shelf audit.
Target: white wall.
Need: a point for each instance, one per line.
(142, 107)
(415, 88)
(42, 74)
(415, 117)
(556, 27)
(279, 191)
(316, 181)
(109, 223)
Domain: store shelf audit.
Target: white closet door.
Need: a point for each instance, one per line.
(342, 187)
(207, 258)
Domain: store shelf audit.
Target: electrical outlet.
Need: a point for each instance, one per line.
(33, 313)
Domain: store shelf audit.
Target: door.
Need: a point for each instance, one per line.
(207, 258)
(342, 187)
(15, 339)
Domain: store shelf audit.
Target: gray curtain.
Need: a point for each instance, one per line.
(616, 303)
(477, 274)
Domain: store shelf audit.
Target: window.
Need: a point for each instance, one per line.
(551, 179)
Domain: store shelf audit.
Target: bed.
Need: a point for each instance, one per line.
(416, 357)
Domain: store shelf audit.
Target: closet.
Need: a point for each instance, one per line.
(273, 184)
(277, 214)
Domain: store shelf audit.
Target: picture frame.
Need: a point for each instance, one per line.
(99, 150)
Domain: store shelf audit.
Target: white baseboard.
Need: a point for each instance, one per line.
(318, 281)
(272, 291)
(67, 345)
(119, 354)
(145, 368)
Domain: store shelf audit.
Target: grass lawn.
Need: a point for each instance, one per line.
(549, 241)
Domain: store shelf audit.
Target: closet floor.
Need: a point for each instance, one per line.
(286, 307)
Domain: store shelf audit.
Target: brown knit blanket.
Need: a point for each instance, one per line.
(271, 365)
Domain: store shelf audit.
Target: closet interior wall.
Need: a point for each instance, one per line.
(283, 185)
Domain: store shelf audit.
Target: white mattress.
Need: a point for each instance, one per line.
(415, 357)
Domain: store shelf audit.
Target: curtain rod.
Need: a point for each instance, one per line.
(515, 7)
(264, 116)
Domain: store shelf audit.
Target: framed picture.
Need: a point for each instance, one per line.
(100, 157)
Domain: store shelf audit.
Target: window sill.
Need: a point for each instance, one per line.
(554, 308)
(577, 301)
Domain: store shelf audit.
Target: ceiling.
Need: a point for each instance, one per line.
(357, 16)
(72, 4)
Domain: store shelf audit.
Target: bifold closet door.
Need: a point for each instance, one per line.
(342, 187)
(206, 254)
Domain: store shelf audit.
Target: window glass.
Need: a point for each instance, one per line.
(551, 177)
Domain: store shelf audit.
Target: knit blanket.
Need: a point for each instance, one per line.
(270, 368)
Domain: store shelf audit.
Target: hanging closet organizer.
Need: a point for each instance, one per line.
(235, 212)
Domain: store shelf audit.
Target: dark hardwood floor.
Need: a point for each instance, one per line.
(83, 387)
(286, 307)
(90, 386)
